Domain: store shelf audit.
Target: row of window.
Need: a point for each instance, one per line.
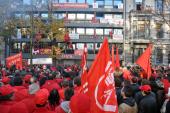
(98, 31)
(74, 16)
(90, 2)
(25, 47)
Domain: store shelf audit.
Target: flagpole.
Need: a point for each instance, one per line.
(124, 31)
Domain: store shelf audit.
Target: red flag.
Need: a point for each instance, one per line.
(144, 61)
(113, 58)
(117, 64)
(84, 70)
(14, 60)
(101, 83)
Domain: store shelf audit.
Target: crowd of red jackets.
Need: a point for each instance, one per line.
(50, 89)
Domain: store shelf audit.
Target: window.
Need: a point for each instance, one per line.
(80, 1)
(106, 31)
(159, 5)
(61, 15)
(81, 31)
(72, 1)
(44, 15)
(71, 16)
(62, 1)
(118, 3)
(100, 2)
(89, 16)
(118, 16)
(80, 46)
(89, 2)
(118, 31)
(89, 31)
(108, 2)
(99, 15)
(108, 16)
(81, 16)
(90, 46)
(71, 30)
(159, 56)
(27, 2)
(99, 31)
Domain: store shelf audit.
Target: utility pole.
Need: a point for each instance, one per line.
(124, 31)
(31, 37)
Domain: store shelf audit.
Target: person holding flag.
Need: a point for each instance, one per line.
(101, 83)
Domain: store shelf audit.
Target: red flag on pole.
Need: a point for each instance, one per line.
(117, 64)
(84, 70)
(144, 61)
(101, 83)
(14, 60)
(113, 58)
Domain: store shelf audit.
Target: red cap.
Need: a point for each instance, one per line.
(6, 90)
(27, 78)
(145, 88)
(80, 101)
(5, 80)
(41, 96)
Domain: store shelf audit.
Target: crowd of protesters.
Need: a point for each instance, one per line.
(56, 89)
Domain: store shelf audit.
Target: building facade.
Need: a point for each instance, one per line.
(89, 21)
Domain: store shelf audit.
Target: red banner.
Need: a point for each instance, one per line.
(14, 60)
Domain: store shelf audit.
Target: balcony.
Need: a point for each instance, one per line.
(102, 23)
(44, 9)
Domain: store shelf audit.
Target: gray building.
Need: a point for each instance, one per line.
(89, 21)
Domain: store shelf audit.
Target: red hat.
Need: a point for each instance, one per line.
(6, 90)
(80, 101)
(27, 78)
(41, 96)
(5, 80)
(145, 88)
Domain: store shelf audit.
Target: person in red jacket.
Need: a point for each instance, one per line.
(80, 103)
(6, 98)
(5, 80)
(20, 91)
(41, 98)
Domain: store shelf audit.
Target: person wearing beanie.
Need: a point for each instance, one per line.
(41, 99)
(148, 102)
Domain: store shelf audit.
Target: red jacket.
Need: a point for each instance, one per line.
(5, 106)
(59, 110)
(50, 85)
(30, 103)
(166, 85)
(19, 107)
(20, 93)
(43, 110)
